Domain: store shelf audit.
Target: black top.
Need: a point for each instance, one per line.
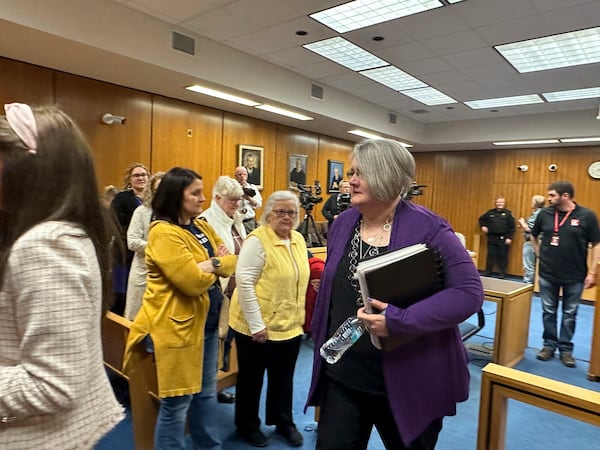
(500, 222)
(360, 368)
(567, 261)
(330, 208)
(298, 177)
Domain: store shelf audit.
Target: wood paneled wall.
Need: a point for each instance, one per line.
(163, 132)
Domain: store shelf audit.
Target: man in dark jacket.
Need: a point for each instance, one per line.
(499, 226)
(337, 202)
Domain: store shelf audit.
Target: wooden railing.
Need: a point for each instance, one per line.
(142, 379)
(500, 383)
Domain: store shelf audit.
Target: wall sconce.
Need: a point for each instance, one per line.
(523, 168)
(109, 119)
(553, 167)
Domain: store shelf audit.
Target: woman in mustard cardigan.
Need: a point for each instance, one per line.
(179, 315)
(267, 314)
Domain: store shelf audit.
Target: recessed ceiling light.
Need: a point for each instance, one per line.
(551, 52)
(363, 13)
(531, 142)
(284, 112)
(504, 101)
(347, 54)
(429, 96)
(221, 95)
(574, 94)
(393, 77)
(582, 139)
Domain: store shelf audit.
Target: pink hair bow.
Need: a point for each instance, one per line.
(22, 121)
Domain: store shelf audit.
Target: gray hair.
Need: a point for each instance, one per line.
(279, 196)
(387, 165)
(227, 186)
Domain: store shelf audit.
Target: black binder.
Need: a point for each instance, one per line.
(400, 277)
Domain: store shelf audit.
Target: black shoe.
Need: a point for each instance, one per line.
(255, 438)
(502, 276)
(225, 397)
(291, 434)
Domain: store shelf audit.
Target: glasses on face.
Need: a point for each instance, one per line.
(353, 172)
(233, 199)
(139, 175)
(281, 213)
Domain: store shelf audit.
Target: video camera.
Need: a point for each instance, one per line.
(249, 191)
(343, 202)
(310, 195)
(414, 190)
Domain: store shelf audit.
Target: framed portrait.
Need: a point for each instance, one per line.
(335, 175)
(251, 157)
(297, 170)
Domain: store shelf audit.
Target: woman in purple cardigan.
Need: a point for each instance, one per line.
(404, 392)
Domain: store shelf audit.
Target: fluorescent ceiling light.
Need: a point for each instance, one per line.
(365, 134)
(283, 112)
(222, 95)
(586, 139)
(429, 96)
(454, 1)
(393, 77)
(504, 101)
(344, 52)
(362, 13)
(539, 141)
(550, 52)
(574, 94)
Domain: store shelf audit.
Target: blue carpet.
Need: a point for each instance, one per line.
(528, 428)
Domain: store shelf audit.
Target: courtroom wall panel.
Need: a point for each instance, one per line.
(25, 83)
(114, 146)
(187, 135)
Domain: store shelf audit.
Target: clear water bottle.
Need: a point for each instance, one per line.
(344, 337)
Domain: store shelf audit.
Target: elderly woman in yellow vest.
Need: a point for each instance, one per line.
(180, 310)
(267, 313)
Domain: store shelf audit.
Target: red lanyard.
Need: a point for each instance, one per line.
(558, 225)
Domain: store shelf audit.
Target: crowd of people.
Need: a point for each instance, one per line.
(193, 282)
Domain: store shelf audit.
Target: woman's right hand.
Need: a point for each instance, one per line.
(260, 337)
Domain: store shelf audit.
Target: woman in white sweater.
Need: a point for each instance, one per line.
(54, 286)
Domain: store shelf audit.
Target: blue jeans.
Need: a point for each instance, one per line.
(570, 301)
(528, 262)
(199, 409)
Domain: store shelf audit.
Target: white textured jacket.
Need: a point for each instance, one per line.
(54, 392)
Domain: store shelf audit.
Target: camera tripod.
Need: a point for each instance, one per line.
(313, 237)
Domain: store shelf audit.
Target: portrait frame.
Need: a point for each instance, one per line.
(292, 161)
(245, 150)
(335, 169)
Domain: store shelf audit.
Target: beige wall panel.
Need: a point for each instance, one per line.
(114, 146)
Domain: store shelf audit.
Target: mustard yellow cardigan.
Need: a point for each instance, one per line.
(175, 306)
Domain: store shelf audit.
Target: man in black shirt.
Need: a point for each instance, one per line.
(561, 235)
(337, 202)
(499, 226)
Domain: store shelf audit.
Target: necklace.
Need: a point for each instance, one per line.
(386, 227)
(360, 250)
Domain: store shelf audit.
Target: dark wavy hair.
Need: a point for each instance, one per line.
(167, 201)
(56, 183)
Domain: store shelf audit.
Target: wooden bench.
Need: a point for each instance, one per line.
(142, 382)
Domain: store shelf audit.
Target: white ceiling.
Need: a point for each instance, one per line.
(252, 46)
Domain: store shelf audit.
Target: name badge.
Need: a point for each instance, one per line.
(554, 240)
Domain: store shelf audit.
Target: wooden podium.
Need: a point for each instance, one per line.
(512, 318)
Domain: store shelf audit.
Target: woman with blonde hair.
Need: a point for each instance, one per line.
(529, 258)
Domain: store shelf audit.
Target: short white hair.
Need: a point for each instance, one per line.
(227, 186)
(279, 196)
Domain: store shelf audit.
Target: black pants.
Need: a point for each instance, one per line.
(347, 419)
(278, 358)
(497, 254)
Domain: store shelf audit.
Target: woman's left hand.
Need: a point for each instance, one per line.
(222, 250)
(375, 323)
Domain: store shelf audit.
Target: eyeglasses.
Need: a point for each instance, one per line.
(353, 172)
(139, 175)
(233, 200)
(281, 213)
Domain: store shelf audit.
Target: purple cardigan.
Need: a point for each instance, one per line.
(427, 376)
